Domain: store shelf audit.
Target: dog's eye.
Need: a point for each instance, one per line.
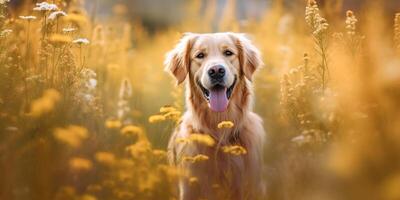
(228, 53)
(200, 55)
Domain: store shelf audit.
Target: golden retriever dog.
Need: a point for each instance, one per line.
(218, 69)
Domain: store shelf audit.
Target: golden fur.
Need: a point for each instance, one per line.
(223, 175)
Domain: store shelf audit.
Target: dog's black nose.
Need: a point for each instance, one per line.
(216, 72)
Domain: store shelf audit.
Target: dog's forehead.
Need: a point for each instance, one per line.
(206, 40)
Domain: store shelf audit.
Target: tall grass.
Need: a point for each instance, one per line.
(86, 109)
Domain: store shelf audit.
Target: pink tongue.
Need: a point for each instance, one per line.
(218, 100)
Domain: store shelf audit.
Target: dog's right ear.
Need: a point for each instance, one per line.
(177, 61)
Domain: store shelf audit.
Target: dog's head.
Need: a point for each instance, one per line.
(215, 63)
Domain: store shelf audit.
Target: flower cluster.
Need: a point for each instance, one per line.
(56, 14)
(45, 104)
(166, 113)
(196, 158)
(236, 150)
(204, 139)
(351, 22)
(318, 24)
(44, 6)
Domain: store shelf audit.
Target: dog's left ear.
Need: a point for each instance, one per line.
(249, 56)
(177, 61)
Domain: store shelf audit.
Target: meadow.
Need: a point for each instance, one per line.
(86, 108)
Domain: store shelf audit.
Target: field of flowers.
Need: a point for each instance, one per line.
(86, 109)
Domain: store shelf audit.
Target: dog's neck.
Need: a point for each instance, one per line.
(239, 105)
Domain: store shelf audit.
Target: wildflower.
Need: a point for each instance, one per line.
(225, 124)
(44, 6)
(159, 153)
(81, 41)
(45, 104)
(59, 38)
(202, 139)
(194, 159)
(167, 109)
(71, 135)
(28, 18)
(125, 93)
(112, 124)
(140, 147)
(351, 21)
(156, 118)
(56, 14)
(105, 158)
(234, 149)
(172, 115)
(317, 23)
(80, 164)
(132, 130)
(193, 180)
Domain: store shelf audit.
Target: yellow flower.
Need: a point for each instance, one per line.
(159, 153)
(202, 138)
(113, 124)
(80, 164)
(167, 109)
(72, 135)
(193, 180)
(139, 148)
(132, 130)
(105, 158)
(197, 158)
(172, 115)
(234, 149)
(156, 118)
(225, 124)
(45, 104)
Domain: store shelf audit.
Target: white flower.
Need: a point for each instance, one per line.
(81, 41)
(27, 17)
(56, 14)
(44, 6)
(69, 30)
(92, 83)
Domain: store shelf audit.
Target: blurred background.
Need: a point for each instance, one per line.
(86, 109)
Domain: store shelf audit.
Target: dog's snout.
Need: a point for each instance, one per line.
(216, 72)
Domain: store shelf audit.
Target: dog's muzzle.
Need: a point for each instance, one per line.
(218, 95)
